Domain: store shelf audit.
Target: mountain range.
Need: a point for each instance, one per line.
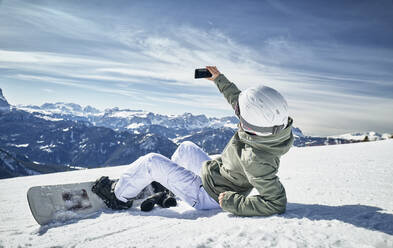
(66, 136)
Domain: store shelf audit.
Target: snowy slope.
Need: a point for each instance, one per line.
(339, 196)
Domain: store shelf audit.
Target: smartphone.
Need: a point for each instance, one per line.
(202, 73)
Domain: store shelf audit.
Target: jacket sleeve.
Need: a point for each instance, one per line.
(271, 199)
(229, 89)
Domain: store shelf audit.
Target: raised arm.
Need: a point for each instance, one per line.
(227, 88)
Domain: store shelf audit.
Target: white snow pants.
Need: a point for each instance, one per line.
(181, 175)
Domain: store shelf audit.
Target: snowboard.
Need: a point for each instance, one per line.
(63, 202)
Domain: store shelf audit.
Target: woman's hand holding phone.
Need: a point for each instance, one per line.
(214, 71)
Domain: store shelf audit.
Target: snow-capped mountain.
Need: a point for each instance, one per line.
(71, 143)
(4, 105)
(126, 119)
(370, 136)
(174, 126)
(338, 196)
(69, 136)
(66, 135)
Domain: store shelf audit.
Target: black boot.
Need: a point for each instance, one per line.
(104, 188)
(168, 200)
(163, 199)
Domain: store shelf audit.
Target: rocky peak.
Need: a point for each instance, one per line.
(4, 105)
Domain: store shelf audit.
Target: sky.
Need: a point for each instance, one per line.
(331, 60)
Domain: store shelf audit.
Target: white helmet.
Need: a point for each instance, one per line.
(262, 110)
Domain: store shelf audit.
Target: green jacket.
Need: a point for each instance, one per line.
(247, 162)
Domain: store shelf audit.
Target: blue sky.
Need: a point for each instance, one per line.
(332, 60)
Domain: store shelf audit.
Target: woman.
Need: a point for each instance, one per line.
(250, 160)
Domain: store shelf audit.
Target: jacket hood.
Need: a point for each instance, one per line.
(277, 144)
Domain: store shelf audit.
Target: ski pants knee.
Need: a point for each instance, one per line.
(180, 174)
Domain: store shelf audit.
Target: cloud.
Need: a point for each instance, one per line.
(22, 15)
(325, 82)
(75, 84)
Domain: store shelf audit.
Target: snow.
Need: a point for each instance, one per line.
(31, 110)
(338, 196)
(135, 125)
(19, 145)
(216, 123)
(129, 114)
(47, 148)
(230, 125)
(177, 140)
(48, 109)
(48, 118)
(76, 167)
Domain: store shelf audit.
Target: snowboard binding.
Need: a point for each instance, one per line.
(104, 188)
